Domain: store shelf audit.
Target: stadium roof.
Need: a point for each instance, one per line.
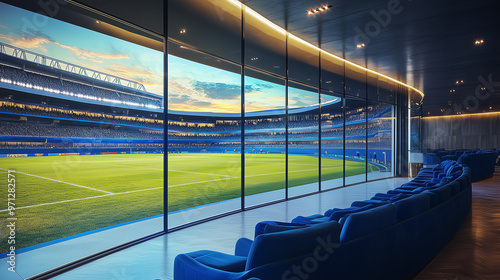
(68, 67)
(264, 113)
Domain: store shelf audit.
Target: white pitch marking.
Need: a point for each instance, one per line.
(161, 169)
(50, 179)
(229, 176)
(304, 170)
(192, 183)
(62, 201)
(130, 166)
(84, 198)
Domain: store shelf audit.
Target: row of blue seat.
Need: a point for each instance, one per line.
(390, 236)
(481, 162)
(436, 156)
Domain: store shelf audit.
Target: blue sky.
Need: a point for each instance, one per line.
(196, 87)
(192, 86)
(81, 46)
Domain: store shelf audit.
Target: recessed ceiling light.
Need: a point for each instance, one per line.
(479, 42)
(319, 9)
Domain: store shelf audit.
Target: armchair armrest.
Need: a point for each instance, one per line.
(242, 247)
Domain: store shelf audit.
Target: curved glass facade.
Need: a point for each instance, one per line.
(263, 116)
(244, 114)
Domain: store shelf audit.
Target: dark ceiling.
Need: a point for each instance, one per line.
(428, 44)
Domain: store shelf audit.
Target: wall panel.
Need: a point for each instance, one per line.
(462, 132)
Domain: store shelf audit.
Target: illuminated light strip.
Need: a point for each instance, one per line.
(265, 21)
(463, 115)
(274, 26)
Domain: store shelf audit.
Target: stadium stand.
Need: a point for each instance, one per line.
(53, 84)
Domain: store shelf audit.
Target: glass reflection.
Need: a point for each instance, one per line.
(355, 141)
(380, 140)
(211, 26)
(303, 62)
(332, 73)
(264, 138)
(265, 44)
(204, 140)
(332, 141)
(303, 132)
(355, 80)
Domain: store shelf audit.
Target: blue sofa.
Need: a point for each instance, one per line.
(393, 240)
(482, 164)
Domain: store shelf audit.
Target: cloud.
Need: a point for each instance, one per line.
(97, 57)
(267, 86)
(217, 90)
(26, 42)
(179, 98)
(296, 102)
(3, 26)
(201, 103)
(135, 74)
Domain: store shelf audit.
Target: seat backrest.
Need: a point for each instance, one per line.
(339, 213)
(433, 198)
(443, 192)
(273, 247)
(454, 187)
(368, 221)
(412, 206)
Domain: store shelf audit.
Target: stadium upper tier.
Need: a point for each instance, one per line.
(69, 131)
(52, 112)
(55, 86)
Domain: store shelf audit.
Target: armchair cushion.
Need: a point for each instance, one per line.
(219, 260)
(260, 228)
(278, 246)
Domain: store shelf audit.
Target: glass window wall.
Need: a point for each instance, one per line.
(380, 140)
(265, 128)
(332, 141)
(303, 137)
(204, 136)
(355, 140)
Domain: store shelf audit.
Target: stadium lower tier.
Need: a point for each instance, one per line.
(384, 160)
(118, 188)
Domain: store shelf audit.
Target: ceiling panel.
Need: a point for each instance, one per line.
(428, 44)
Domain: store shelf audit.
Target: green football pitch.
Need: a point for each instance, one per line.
(61, 196)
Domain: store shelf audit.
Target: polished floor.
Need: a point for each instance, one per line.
(474, 252)
(153, 260)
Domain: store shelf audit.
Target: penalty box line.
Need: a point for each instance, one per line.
(161, 169)
(127, 192)
(83, 198)
(58, 181)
